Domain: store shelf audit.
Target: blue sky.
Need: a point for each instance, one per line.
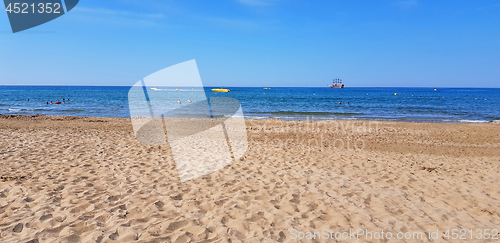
(407, 43)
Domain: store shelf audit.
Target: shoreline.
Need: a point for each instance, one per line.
(283, 119)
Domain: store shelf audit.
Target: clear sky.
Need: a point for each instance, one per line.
(413, 43)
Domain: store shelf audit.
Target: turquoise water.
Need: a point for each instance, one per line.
(410, 104)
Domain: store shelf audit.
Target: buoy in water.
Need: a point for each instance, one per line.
(395, 93)
(435, 89)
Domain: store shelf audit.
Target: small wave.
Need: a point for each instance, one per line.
(179, 90)
(75, 110)
(28, 109)
(257, 117)
(473, 121)
(442, 120)
(304, 113)
(426, 111)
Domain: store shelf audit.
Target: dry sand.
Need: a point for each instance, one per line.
(69, 179)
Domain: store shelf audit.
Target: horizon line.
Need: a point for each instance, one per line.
(79, 85)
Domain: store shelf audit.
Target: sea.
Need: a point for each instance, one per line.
(444, 105)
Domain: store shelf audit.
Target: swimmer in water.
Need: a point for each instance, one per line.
(189, 100)
(179, 102)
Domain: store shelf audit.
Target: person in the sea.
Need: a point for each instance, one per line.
(51, 102)
(340, 103)
(179, 102)
(189, 100)
(47, 102)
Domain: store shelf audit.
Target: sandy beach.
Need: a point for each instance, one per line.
(81, 179)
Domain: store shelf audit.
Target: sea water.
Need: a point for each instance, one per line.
(394, 104)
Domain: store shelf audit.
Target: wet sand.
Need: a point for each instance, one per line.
(72, 179)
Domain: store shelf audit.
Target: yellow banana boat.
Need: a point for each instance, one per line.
(221, 90)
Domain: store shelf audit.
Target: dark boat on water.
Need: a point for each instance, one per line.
(337, 83)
